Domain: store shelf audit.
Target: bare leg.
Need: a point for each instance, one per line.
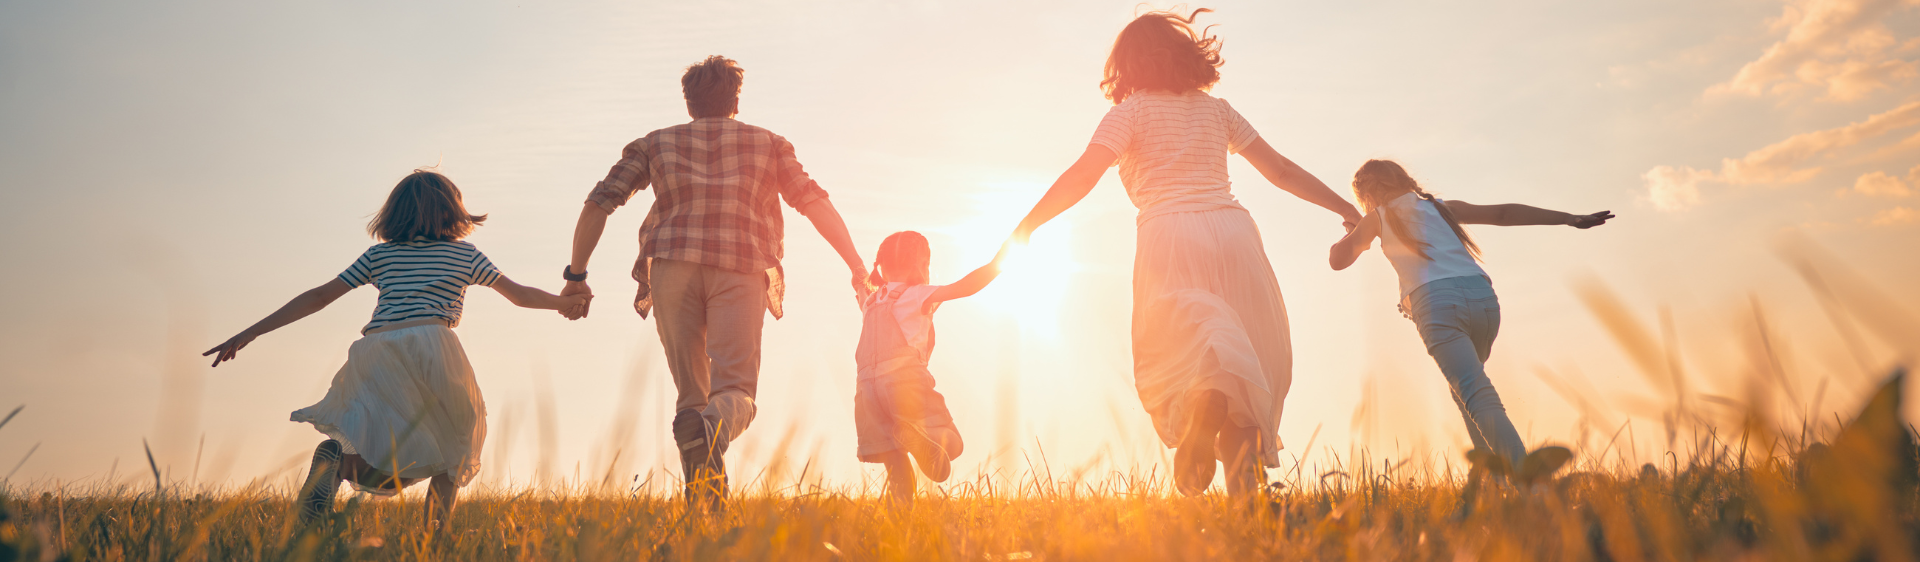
(1240, 454)
(900, 478)
(439, 509)
(1193, 462)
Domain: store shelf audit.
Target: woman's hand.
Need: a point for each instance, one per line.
(1584, 222)
(230, 349)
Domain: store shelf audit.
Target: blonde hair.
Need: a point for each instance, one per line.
(424, 204)
(897, 252)
(1380, 181)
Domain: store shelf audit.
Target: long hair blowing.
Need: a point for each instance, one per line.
(1161, 51)
(1379, 181)
(427, 205)
(898, 250)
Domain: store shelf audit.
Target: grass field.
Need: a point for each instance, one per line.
(1739, 488)
(1846, 499)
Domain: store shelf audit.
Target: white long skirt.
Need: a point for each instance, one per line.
(406, 400)
(1207, 315)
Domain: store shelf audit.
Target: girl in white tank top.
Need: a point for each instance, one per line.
(1449, 297)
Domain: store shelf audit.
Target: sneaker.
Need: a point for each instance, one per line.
(323, 480)
(700, 460)
(928, 454)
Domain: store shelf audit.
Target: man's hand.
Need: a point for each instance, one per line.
(577, 288)
(1584, 222)
(861, 288)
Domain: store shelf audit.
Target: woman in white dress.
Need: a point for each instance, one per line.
(1211, 353)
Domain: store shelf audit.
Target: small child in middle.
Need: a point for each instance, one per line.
(895, 408)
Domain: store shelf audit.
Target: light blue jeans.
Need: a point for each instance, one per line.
(1458, 319)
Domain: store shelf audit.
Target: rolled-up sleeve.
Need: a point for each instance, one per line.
(628, 176)
(796, 187)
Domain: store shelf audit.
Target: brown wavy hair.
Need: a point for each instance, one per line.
(1380, 181)
(426, 205)
(712, 87)
(1161, 51)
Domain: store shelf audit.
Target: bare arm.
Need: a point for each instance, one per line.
(826, 220)
(309, 302)
(1288, 176)
(1355, 243)
(532, 297)
(1073, 185)
(973, 282)
(1515, 214)
(586, 236)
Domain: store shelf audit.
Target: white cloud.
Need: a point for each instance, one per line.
(1675, 188)
(1840, 46)
(1880, 184)
(1895, 216)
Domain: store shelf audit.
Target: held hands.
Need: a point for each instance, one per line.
(861, 288)
(584, 295)
(230, 349)
(1584, 222)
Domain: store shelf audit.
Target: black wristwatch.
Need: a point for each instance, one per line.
(567, 274)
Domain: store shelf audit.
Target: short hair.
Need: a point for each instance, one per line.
(712, 87)
(427, 205)
(1161, 51)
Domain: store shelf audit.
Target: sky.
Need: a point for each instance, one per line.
(171, 173)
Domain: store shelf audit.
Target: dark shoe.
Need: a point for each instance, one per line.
(1542, 463)
(323, 480)
(927, 453)
(1193, 462)
(700, 460)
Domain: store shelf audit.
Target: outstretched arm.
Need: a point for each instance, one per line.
(1355, 243)
(1288, 176)
(1515, 214)
(586, 236)
(973, 282)
(1073, 185)
(300, 307)
(532, 297)
(826, 220)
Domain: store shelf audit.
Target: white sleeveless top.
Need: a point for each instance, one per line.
(1447, 258)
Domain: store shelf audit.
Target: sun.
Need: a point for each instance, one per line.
(1035, 277)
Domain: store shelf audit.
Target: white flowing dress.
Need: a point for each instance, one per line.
(406, 401)
(1207, 311)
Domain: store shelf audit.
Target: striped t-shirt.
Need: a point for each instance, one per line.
(420, 279)
(1173, 149)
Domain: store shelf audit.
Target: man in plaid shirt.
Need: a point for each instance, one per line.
(710, 252)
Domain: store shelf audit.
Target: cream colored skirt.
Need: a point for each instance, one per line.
(1207, 315)
(406, 401)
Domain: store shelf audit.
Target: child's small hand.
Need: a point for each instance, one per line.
(570, 302)
(229, 349)
(1584, 222)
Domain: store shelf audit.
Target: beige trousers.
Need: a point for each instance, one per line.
(709, 320)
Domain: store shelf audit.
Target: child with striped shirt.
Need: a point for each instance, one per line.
(405, 407)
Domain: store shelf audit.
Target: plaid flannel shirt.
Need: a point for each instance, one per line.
(715, 184)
